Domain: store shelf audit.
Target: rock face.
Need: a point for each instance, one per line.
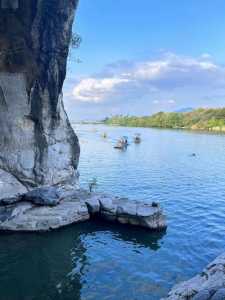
(209, 285)
(130, 212)
(37, 143)
(10, 188)
(53, 207)
(39, 151)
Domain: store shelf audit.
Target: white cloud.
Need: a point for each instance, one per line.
(150, 70)
(163, 101)
(155, 102)
(206, 56)
(91, 89)
(171, 101)
(134, 80)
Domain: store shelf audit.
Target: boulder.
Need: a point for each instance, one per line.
(93, 204)
(44, 218)
(53, 207)
(138, 213)
(46, 196)
(209, 285)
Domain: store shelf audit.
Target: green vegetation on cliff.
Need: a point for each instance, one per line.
(199, 119)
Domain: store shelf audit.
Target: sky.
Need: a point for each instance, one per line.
(141, 57)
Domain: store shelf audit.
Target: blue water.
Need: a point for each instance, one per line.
(98, 261)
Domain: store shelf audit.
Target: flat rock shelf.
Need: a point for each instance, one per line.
(209, 285)
(52, 207)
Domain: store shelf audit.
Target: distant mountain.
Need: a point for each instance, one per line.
(184, 110)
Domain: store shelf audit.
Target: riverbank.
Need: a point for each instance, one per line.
(211, 120)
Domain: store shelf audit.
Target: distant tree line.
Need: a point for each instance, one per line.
(199, 119)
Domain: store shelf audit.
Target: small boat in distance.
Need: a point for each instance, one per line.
(122, 143)
(137, 138)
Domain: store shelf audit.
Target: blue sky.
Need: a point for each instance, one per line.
(139, 57)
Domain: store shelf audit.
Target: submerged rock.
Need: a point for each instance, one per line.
(53, 207)
(209, 285)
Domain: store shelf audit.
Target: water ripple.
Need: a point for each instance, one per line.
(103, 261)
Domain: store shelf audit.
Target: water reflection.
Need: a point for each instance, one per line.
(95, 257)
(64, 264)
(90, 261)
(135, 236)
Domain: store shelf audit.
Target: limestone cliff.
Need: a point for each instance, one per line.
(37, 143)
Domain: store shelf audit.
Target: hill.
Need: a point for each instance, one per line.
(199, 119)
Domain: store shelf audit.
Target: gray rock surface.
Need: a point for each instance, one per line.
(219, 295)
(93, 204)
(37, 144)
(10, 188)
(10, 212)
(67, 205)
(42, 218)
(209, 285)
(46, 196)
(203, 295)
(138, 213)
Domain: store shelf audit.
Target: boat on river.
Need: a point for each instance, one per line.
(122, 143)
(137, 138)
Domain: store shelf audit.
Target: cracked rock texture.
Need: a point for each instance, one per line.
(209, 285)
(37, 143)
(52, 207)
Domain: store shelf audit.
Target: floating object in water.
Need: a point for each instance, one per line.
(193, 154)
(122, 143)
(137, 138)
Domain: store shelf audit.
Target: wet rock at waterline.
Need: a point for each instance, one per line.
(209, 285)
(130, 212)
(37, 144)
(75, 205)
(43, 218)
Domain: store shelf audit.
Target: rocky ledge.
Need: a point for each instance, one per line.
(209, 285)
(53, 207)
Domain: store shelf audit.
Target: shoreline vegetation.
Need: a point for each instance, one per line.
(200, 119)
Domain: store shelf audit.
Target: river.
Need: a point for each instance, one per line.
(100, 261)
